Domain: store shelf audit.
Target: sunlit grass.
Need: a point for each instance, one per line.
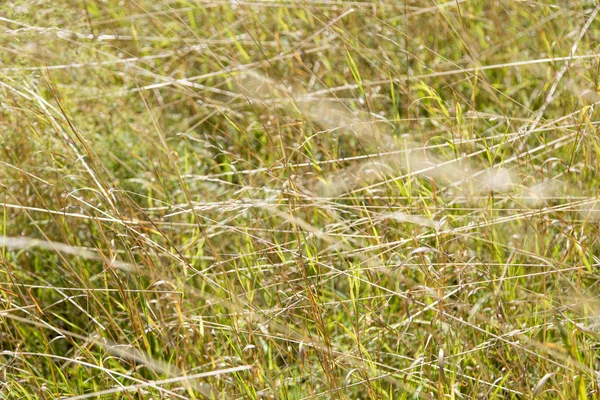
(299, 199)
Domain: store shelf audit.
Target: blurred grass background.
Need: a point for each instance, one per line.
(290, 199)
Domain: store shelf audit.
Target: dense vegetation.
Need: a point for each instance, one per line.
(293, 199)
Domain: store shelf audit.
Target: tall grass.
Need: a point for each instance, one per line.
(296, 199)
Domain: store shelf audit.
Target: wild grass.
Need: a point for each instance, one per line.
(293, 199)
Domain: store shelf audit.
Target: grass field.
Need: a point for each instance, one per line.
(293, 199)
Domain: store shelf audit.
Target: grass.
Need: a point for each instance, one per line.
(297, 199)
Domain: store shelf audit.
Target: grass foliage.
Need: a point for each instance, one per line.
(293, 199)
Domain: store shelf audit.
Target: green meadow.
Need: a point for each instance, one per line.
(294, 199)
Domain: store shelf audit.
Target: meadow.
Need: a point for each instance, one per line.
(294, 199)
